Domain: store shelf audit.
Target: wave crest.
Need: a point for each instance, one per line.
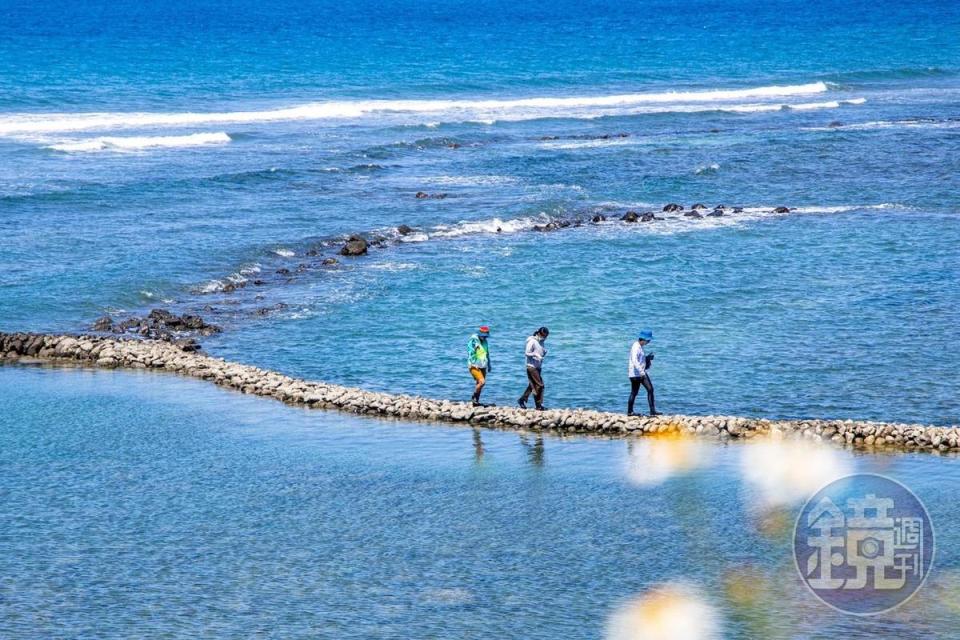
(137, 143)
(450, 110)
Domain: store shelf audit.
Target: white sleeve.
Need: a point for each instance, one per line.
(639, 361)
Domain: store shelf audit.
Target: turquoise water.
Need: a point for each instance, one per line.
(126, 514)
(152, 155)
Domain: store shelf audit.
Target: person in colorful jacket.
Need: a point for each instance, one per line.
(637, 371)
(478, 361)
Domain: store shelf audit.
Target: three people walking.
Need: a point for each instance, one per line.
(478, 362)
(535, 353)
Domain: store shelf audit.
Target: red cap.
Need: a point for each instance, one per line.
(484, 329)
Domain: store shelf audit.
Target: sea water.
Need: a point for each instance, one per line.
(151, 155)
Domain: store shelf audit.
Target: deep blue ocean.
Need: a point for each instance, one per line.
(206, 157)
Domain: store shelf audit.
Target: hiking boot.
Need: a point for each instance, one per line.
(522, 403)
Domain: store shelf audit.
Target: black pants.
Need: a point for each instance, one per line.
(535, 387)
(635, 388)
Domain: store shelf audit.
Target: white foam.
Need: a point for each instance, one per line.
(484, 111)
(589, 144)
(494, 225)
(212, 287)
(892, 124)
(470, 181)
(136, 143)
(285, 253)
(415, 237)
(393, 266)
(240, 277)
(712, 168)
(846, 208)
(802, 106)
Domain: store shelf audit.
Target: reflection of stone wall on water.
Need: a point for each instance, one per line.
(110, 352)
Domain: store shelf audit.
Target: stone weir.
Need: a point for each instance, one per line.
(131, 353)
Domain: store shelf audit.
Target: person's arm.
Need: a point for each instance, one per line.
(639, 364)
(532, 351)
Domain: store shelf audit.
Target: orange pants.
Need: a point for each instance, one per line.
(480, 375)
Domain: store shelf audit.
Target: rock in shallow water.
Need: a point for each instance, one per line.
(355, 246)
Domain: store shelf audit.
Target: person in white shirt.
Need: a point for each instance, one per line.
(535, 353)
(637, 371)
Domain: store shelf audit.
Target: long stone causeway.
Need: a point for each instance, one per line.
(130, 353)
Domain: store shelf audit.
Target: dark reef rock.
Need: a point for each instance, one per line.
(161, 324)
(405, 230)
(716, 213)
(782, 210)
(598, 218)
(188, 344)
(553, 225)
(630, 216)
(104, 323)
(356, 246)
(698, 205)
(738, 209)
(329, 262)
(693, 214)
(673, 206)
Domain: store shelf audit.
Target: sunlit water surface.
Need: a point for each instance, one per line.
(146, 505)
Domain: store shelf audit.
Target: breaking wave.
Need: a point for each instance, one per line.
(137, 143)
(909, 123)
(419, 111)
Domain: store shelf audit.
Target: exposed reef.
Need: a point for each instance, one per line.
(241, 295)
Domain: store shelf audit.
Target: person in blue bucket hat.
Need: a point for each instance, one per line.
(637, 369)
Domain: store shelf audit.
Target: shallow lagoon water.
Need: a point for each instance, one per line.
(150, 505)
